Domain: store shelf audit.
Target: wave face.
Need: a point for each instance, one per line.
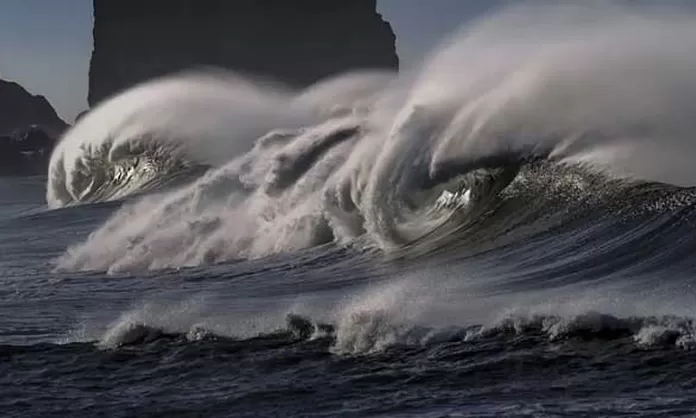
(522, 123)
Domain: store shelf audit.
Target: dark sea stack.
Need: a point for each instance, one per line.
(297, 42)
(20, 110)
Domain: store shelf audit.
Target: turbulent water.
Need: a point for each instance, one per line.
(507, 231)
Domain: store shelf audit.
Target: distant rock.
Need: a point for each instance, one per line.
(20, 109)
(25, 152)
(294, 41)
(29, 127)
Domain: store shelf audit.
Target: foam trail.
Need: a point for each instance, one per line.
(607, 86)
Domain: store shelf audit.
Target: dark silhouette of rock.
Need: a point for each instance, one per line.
(19, 109)
(25, 152)
(294, 41)
(29, 127)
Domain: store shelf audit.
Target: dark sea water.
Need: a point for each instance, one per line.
(336, 332)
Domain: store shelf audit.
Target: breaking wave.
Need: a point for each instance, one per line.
(519, 124)
(364, 334)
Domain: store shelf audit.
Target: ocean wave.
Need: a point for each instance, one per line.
(578, 110)
(364, 333)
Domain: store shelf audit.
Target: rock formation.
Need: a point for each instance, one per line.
(29, 127)
(20, 109)
(25, 152)
(294, 41)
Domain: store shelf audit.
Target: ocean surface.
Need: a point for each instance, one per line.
(508, 231)
(335, 332)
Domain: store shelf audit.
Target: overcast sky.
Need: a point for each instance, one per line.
(45, 45)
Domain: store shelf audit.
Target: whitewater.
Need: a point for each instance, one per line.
(506, 230)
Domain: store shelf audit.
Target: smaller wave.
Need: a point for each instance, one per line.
(370, 332)
(646, 332)
(135, 333)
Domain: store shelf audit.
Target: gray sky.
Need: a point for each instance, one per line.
(45, 45)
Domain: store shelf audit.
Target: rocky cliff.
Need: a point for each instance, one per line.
(294, 41)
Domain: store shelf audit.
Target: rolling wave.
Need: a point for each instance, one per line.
(370, 333)
(520, 124)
